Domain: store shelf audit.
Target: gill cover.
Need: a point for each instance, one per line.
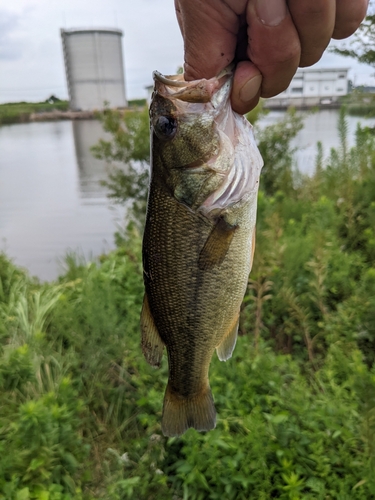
(234, 158)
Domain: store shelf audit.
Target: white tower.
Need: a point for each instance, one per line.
(94, 68)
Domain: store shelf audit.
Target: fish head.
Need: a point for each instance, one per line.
(194, 136)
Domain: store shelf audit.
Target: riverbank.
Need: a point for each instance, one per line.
(357, 103)
(62, 115)
(25, 112)
(360, 104)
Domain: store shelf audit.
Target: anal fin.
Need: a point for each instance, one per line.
(217, 244)
(225, 350)
(152, 345)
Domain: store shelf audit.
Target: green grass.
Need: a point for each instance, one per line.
(19, 112)
(137, 103)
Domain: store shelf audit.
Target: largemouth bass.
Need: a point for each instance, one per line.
(199, 239)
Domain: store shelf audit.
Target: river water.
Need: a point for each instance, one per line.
(319, 126)
(51, 199)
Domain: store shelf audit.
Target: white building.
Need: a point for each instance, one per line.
(312, 87)
(94, 68)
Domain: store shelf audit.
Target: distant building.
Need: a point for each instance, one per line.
(313, 87)
(94, 68)
(52, 99)
(149, 89)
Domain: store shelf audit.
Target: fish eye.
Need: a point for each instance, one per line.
(165, 127)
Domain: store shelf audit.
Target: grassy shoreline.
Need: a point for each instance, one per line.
(360, 104)
(25, 112)
(356, 104)
(21, 112)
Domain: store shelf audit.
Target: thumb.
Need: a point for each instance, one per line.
(246, 87)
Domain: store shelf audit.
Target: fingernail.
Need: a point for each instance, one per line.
(271, 12)
(250, 89)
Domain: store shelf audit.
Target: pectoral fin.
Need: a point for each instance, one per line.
(216, 247)
(152, 345)
(225, 350)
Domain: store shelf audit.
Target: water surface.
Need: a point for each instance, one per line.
(51, 199)
(319, 126)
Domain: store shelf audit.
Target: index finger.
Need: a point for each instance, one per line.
(212, 29)
(274, 45)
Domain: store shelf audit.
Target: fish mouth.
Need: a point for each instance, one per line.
(170, 80)
(178, 80)
(195, 91)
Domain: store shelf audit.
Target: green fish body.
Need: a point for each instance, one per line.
(199, 239)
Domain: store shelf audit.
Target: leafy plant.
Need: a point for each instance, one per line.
(129, 154)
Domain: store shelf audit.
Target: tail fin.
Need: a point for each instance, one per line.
(180, 413)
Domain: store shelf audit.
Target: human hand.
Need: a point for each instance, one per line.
(270, 38)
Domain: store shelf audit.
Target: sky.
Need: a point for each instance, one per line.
(31, 58)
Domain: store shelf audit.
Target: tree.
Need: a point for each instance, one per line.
(129, 147)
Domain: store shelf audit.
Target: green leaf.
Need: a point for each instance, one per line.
(23, 494)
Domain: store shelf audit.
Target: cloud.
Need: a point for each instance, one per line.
(10, 45)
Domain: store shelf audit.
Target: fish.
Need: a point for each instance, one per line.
(199, 238)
